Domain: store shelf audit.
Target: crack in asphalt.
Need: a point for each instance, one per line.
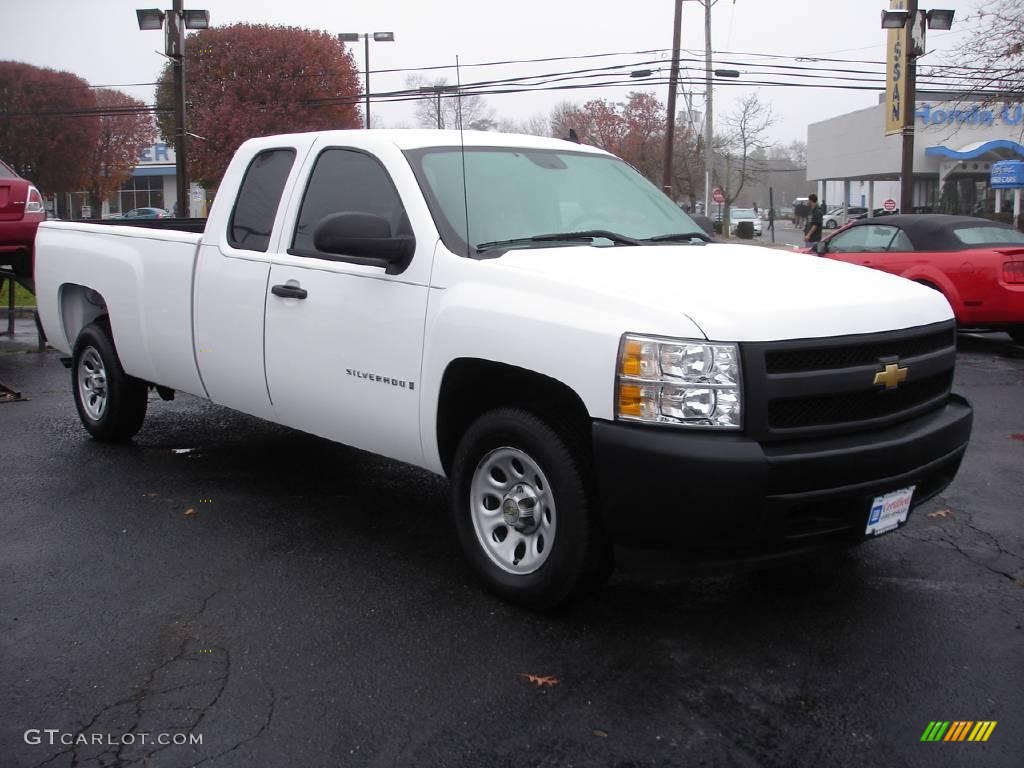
(989, 541)
(186, 655)
(259, 731)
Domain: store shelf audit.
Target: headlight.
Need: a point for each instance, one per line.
(675, 381)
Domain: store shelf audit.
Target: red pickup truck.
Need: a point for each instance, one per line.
(21, 210)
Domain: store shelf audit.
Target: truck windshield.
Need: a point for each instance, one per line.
(523, 198)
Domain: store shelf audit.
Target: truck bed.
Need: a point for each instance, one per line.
(140, 277)
(195, 226)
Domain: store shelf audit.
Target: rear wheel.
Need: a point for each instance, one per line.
(521, 506)
(110, 403)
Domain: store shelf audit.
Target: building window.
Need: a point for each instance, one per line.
(139, 192)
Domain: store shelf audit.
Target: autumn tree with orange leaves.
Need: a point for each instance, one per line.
(635, 131)
(125, 128)
(248, 80)
(47, 125)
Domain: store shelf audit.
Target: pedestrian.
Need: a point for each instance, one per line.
(815, 222)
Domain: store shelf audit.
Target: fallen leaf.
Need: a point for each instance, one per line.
(939, 513)
(600, 734)
(1017, 436)
(183, 450)
(540, 680)
(1019, 582)
(189, 512)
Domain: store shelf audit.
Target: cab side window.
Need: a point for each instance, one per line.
(866, 239)
(901, 243)
(252, 220)
(346, 181)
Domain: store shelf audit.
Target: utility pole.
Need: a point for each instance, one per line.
(366, 40)
(176, 50)
(909, 111)
(709, 106)
(673, 85)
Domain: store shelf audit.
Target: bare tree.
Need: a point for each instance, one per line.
(441, 108)
(744, 137)
(536, 125)
(989, 62)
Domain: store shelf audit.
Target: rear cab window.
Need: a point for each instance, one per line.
(252, 220)
(987, 235)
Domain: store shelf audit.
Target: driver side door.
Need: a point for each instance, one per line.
(343, 338)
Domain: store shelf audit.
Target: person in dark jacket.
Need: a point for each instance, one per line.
(815, 222)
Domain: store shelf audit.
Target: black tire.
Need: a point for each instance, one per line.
(831, 224)
(1017, 334)
(577, 557)
(123, 409)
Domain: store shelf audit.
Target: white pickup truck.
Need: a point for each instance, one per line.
(580, 362)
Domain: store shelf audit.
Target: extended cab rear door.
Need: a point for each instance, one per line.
(344, 340)
(232, 271)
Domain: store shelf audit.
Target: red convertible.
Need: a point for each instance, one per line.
(977, 264)
(21, 210)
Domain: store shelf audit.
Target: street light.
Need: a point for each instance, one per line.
(378, 37)
(912, 20)
(178, 20)
(437, 90)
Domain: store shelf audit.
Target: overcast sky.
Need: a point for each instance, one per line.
(100, 41)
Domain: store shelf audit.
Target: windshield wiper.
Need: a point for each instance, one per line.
(587, 234)
(678, 237)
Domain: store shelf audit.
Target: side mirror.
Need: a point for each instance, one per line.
(820, 247)
(364, 238)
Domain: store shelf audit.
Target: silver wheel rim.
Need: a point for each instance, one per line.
(92, 383)
(513, 510)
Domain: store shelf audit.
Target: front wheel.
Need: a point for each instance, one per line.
(110, 403)
(522, 512)
(831, 224)
(1017, 333)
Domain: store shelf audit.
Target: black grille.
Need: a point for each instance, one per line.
(824, 410)
(832, 358)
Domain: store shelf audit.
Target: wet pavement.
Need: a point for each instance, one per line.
(299, 603)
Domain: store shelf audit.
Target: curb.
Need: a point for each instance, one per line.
(18, 312)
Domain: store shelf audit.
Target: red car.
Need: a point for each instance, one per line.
(977, 264)
(21, 210)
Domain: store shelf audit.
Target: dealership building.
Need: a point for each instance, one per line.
(955, 145)
(153, 184)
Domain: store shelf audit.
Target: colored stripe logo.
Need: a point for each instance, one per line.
(958, 730)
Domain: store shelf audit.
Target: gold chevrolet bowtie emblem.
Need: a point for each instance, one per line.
(892, 376)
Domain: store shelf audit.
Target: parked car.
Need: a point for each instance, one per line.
(977, 264)
(736, 215)
(146, 213)
(340, 288)
(21, 212)
(834, 218)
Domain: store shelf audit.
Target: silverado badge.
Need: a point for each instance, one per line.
(892, 376)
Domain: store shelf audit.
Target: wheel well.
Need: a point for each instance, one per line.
(79, 306)
(471, 387)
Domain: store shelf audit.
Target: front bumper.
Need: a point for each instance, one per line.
(728, 494)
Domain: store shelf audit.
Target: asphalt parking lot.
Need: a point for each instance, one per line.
(299, 603)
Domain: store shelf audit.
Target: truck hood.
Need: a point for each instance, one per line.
(742, 292)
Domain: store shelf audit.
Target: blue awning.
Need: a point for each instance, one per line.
(154, 170)
(1000, 148)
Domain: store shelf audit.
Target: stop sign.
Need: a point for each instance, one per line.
(889, 205)
(717, 195)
